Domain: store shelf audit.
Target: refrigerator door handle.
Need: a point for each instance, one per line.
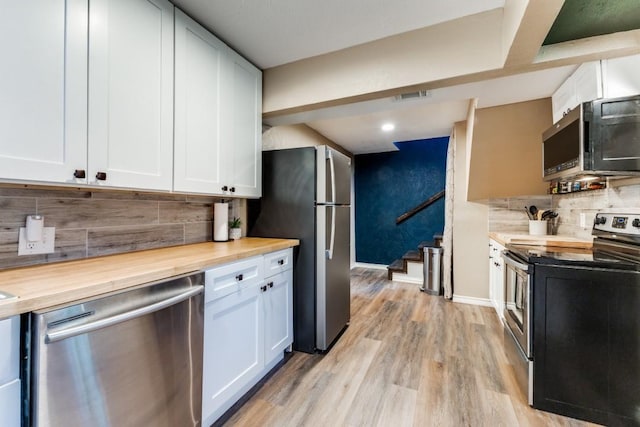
(333, 232)
(332, 168)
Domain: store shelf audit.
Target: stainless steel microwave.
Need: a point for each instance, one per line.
(600, 137)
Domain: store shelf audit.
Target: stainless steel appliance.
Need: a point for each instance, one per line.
(517, 321)
(600, 137)
(572, 323)
(307, 196)
(132, 358)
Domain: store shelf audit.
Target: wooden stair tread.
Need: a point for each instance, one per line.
(412, 255)
(397, 265)
(424, 244)
(400, 265)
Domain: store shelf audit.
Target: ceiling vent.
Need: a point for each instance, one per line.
(413, 95)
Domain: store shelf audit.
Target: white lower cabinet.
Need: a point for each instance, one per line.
(496, 276)
(278, 306)
(248, 325)
(233, 349)
(9, 372)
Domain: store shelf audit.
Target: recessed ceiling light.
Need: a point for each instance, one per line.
(388, 127)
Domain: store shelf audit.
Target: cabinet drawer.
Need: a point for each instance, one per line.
(10, 404)
(277, 262)
(10, 353)
(229, 278)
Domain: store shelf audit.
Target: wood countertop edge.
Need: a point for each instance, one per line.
(48, 285)
(551, 240)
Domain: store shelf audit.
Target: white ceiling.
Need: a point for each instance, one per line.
(276, 32)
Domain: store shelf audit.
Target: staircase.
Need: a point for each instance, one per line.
(409, 268)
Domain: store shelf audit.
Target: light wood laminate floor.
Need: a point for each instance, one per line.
(407, 359)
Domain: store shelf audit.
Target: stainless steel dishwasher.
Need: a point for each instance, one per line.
(132, 358)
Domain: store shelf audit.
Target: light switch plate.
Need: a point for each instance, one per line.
(44, 246)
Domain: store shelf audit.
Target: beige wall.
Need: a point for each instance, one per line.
(295, 136)
(413, 58)
(506, 151)
(470, 229)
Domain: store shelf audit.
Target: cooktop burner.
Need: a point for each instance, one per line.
(616, 245)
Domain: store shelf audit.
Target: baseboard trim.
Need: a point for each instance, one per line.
(372, 266)
(401, 277)
(485, 302)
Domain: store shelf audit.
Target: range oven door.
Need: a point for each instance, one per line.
(517, 309)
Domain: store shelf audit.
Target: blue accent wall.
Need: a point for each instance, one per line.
(388, 185)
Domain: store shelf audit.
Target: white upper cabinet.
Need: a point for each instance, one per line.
(218, 123)
(89, 96)
(43, 89)
(609, 78)
(243, 134)
(131, 93)
(198, 155)
(585, 84)
(621, 76)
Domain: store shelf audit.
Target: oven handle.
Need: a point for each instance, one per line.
(62, 334)
(509, 260)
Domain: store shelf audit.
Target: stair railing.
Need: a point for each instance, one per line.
(405, 216)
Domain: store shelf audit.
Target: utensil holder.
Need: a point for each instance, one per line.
(538, 227)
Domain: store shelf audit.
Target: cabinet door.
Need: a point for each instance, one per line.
(43, 86)
(621, 76)
(496, 276)
(197, 150)
(588, 82)
(564, 99)
(131, 93)
(278, 315)
(10, 344)
(233, 349)
(244, 101)
(10, 404)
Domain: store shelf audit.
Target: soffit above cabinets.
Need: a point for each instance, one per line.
(276, 32)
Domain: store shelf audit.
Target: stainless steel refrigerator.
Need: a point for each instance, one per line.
(306, 195)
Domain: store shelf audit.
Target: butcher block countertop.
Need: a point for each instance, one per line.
(550, 240)
(48, 285)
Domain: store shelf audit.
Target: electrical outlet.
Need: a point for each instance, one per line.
(583, 220)
(44, 246)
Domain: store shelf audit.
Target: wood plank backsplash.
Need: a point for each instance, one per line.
(508, 216)
(93, 223)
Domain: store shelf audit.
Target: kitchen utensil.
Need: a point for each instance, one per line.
(534, 211)
(526, 209)
(548, 214)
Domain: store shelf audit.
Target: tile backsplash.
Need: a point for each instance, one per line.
(614, 198)
(92, 223)
(507, 215)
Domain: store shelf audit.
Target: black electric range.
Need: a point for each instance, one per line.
(583, 312)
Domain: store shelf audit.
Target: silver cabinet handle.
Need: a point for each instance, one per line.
(62, 334)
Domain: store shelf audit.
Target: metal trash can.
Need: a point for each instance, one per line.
(431, 268)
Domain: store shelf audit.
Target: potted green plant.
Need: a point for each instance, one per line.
(234, 228)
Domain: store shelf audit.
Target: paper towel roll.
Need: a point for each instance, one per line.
(221, 222)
